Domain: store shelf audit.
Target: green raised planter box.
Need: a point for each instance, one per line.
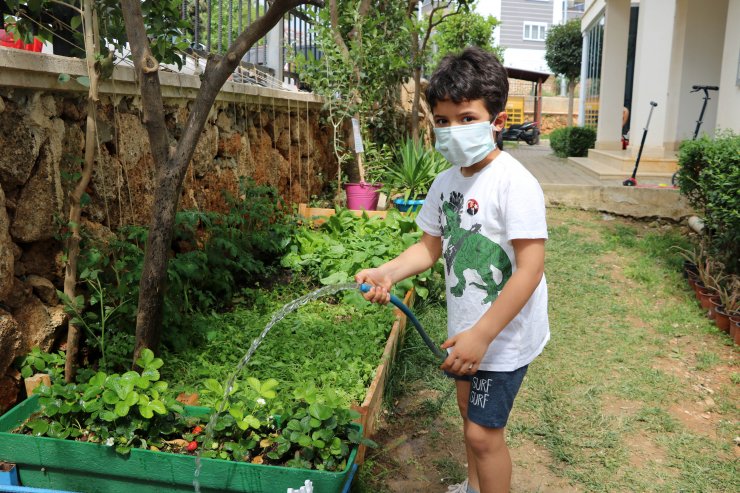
(87, 467)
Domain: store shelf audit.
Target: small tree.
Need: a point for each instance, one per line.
(563, 55)
(466, 29)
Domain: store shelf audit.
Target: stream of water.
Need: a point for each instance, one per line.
(278, 316)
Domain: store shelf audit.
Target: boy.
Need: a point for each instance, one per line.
(486, 216)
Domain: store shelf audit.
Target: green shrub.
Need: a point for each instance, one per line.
(572, 141)
(709, 177)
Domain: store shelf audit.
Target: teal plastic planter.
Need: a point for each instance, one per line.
(51, 463)
(408, 205)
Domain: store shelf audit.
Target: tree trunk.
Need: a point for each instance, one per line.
(571, 96)
(172, 163)
(75, 207)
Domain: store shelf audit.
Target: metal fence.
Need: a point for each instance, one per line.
(217, 23)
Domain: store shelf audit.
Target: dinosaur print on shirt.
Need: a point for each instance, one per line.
(468, 249)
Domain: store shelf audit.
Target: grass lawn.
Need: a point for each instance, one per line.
(636, 391)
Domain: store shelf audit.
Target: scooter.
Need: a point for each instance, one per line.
(529, 132)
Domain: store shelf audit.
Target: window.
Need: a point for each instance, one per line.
(535, 31)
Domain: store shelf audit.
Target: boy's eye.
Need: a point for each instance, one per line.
(440, 122)
(468, 119)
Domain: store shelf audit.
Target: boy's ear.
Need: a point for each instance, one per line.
(500, 121)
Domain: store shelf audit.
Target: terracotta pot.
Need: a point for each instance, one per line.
(714, 303)
(698, 286)
(722, 319)
(704, 296)
(735, 329)
(689, 268)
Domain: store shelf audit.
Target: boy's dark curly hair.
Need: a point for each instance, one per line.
(472, 74)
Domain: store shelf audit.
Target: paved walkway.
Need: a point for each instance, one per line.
(566, 183)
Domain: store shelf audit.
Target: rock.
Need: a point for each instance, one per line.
(11, 341)
(41, 258)
(18, 295)
(42, 197)
(40, 324)
(7, 257)
(43, 288)
(99, 233)
(9, 389)
(20, 143)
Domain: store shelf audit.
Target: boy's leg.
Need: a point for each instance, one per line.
(492, 461)
(463, 394)
(490, 399)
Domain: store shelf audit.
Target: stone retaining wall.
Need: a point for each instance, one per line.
(272, 136)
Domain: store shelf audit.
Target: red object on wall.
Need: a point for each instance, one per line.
(7, 40)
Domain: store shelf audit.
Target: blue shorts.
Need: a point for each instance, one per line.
(492, 395)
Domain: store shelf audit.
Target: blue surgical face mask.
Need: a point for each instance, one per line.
(465, 145)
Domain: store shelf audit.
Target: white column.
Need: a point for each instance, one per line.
(728, 99)
(584, 73)
(613, 63)
(653, 60)
(274, 53)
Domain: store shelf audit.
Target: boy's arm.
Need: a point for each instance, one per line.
(415, 259)
(468, 347)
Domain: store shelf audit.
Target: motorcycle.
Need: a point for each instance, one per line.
(529, 132)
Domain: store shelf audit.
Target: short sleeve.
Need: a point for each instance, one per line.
(428, 218)
(524, 207)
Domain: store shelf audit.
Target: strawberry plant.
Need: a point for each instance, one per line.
(126, 410)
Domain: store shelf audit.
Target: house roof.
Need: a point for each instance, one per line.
(530, 75)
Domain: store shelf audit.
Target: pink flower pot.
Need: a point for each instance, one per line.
(362, 195)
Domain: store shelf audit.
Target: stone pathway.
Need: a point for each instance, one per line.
(567, 184)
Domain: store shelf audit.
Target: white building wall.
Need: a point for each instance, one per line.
(702, 64)
(728, 116)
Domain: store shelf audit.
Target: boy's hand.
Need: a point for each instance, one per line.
(381, 285)
(468, 348)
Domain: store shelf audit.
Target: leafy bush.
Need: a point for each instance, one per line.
(345, 244)
(213, 255)
(572, 141)
(709, 177)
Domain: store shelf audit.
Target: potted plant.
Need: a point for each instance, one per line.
(409, 178)
(729, 302)
(117, 432)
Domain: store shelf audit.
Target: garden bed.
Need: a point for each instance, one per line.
(78, 466)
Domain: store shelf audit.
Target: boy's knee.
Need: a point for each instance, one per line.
(484, 441)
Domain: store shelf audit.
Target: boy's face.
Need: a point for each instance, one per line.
(448, 113)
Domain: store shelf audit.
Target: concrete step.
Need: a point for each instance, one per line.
(606, 171)
(625, 160)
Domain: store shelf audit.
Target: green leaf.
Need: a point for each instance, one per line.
(158, 406)
(83, 80)
(146, 411)
(213, 386)
(38, 426)
(145, 358)
(75, 22)
(121, 408)
(150, 374)
(320, 411)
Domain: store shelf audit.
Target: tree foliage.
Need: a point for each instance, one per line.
(465, 29)
(563, 49)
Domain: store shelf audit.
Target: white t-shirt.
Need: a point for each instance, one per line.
(477, 217)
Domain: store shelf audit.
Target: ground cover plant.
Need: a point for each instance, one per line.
(333, 344)
(636, 391)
